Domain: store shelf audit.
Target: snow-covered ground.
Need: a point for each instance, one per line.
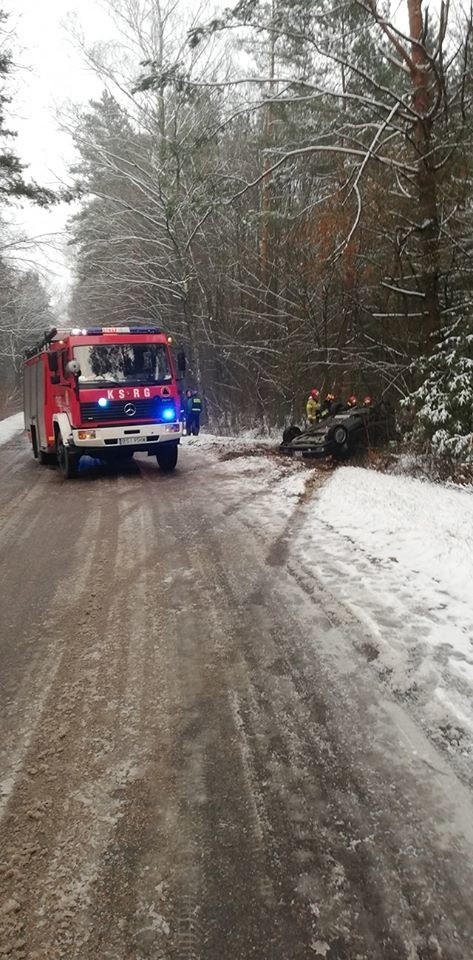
(10, 426)
(249, 438)
(397, 553)
(390, 556)
(424, 527)
(390, 560)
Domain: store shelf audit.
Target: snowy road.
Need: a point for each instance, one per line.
(198, 760)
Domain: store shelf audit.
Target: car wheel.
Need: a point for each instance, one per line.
(340, 436)
(290, 434)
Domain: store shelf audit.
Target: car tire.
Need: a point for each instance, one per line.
(290, 434)
(340, 436)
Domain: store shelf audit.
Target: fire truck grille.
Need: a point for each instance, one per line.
(122, 410)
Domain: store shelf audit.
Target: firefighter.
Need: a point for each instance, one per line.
(188, 412)
(196, 410)
(312, 407)
(328, 404)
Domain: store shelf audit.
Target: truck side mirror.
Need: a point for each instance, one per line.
(73, 368)
(53, 361)
(181, 361)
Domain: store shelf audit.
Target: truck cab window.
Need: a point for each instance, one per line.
(137, 363)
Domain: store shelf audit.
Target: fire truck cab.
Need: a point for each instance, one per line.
(105, 392)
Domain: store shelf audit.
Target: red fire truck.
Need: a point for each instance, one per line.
(105, 392)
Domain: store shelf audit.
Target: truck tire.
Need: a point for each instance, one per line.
(68, 462)
(34, 443)
(40, 455)
(45, 459)
(167, 457)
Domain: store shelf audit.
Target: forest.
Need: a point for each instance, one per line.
(286, 188)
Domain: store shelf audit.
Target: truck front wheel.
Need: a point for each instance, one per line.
(68, 462)
(167, 457)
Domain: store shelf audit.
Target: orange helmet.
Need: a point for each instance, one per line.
(315, 394)
(367, 401)
(352, 401)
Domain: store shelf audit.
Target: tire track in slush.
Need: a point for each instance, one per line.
(53, 769)
(216, 776)
(306, 737)
(36, 685)
(131, 620)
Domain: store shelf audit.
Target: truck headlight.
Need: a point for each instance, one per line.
(86, 435)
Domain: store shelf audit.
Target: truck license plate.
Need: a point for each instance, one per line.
(136, 439)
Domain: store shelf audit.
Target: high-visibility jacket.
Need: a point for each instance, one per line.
(196, 406)
(312, 409)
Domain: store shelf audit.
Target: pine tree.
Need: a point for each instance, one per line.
(444, 401)
(13, 184)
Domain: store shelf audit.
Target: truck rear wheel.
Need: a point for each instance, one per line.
(45, 459)
(40, 455)
(167, 457)
(34, 442)
(68, 462)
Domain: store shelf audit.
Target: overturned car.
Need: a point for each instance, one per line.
(342, 434)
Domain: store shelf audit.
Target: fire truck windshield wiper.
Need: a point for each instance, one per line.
(127, 382)
(149, 382)
(102, 381)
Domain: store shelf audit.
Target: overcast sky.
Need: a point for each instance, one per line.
(50, 73)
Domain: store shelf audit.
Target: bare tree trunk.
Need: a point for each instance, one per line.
(423, 83)
(159, 44)
(266, 200)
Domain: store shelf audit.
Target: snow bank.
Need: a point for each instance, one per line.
(10, 426)
(246, 439)
(397, 555)
(425, 527)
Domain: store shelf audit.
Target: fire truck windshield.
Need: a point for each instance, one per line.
(123, 363)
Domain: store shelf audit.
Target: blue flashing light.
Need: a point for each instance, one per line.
(102, 402)
(168, 413)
